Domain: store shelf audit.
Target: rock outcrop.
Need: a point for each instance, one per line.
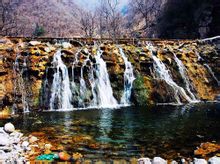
(27, 70)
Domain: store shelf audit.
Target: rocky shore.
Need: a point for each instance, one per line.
(158, 160)
(17, 148)
(14, 147)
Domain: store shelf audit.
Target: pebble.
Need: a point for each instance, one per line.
(9, 127)
(25, 144)
(64, 156)
(33, 139)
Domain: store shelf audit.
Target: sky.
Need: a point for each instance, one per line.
(91, 4)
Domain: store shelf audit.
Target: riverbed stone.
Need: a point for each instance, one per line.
(66, 45)
(144, 161)
(33, 139)
(9, 127)
(4, 140)
(34, 43)
(158, 160)
(199, 161)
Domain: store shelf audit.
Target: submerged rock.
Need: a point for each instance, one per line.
(207, 148)
(64, 156)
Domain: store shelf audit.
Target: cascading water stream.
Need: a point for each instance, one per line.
(128, 79)
(104, 89)
(92, 82)
(76, 61)
(83, 88)
(182, 70)
(19, 87)
(212, 73)
(164, 74)
(61, 94)
(208, 67)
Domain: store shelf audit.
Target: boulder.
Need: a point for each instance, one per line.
(9, 128)
(144, 161)
(199, 161)
(4, 140)
(34, 43)
(214, 160)
(3, 156)
(158, 160)
(66, 45)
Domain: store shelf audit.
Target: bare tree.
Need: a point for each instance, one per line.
(146, 10)
(8, 23)
(109, 18)
(88, 23)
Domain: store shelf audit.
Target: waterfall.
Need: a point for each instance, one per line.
(128, 79)
(164, 74)
(20, 84)
(212, 73)
(61, 95)
(76, 61)
(182, 70)
(93, 87)
(83, 88)
(104, 89)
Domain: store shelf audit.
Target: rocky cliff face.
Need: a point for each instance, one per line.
(27, 71)
(188, 19)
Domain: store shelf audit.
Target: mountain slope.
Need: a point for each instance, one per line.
(58, 18)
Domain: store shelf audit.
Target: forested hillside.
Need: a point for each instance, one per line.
(139, 18)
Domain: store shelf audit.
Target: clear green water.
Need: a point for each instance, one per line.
(166, 131)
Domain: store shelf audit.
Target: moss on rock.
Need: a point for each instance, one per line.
(140, 92)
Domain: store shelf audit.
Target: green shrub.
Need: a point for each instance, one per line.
(39, 30)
